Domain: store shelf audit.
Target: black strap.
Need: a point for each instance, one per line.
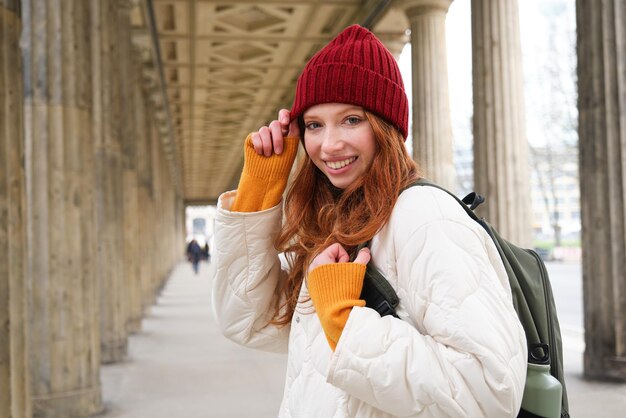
(473, 200)
(525, 414)
(377, 292)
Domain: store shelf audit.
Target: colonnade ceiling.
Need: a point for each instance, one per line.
(226, 67)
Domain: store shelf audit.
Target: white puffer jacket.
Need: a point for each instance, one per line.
(457, 351)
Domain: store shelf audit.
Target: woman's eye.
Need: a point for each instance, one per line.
(353, 120)
(312, 125)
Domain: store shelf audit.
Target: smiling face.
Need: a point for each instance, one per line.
(339, 140)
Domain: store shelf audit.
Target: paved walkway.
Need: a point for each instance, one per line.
(179, 365)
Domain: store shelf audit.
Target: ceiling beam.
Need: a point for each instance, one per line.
(286, 3)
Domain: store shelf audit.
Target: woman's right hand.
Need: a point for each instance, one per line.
(335, 253)
(269, 139)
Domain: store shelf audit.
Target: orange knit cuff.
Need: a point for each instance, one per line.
(264, 179)
(335, 290)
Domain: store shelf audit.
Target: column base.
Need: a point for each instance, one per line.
(134, 325)
(79, 403)
(113, 352)
(611, 369)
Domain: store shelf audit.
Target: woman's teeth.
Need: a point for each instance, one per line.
(335, 165)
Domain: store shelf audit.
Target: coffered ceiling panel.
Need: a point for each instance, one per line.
(229, 66)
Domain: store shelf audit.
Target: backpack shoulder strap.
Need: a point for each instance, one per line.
(473, 199)
(377, 291)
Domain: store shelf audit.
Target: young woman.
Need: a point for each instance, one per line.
(457, 348)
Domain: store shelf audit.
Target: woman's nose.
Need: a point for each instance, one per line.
(331, 142)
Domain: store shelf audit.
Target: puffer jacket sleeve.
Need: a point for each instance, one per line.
(460, 350)
(248, 273)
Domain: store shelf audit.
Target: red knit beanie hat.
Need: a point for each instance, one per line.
(354, 68)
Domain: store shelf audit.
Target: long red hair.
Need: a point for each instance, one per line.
(317, 214)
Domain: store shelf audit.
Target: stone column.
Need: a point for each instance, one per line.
(180, 234)
(132, 105)
(14, 382)
(431, 125)
(157, 218)
(601, 28)
(501, 171)
(105, 72)
(166, 221)
(171, 218)
(63, 336)
(146, 230)
(134, 206)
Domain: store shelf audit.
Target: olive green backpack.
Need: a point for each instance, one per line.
(530, 285)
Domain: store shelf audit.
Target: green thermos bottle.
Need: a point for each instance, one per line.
(543, 392)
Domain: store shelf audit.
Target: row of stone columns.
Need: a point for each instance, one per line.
(89, 215)
(501, 171)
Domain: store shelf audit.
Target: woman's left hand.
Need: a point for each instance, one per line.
(335, 253)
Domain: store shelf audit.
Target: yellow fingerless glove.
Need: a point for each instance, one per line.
(335, 290)
(264, 179)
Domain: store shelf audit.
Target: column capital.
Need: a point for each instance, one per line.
(126, 5)
(414, 8)
(11, 5)
(393, 41)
